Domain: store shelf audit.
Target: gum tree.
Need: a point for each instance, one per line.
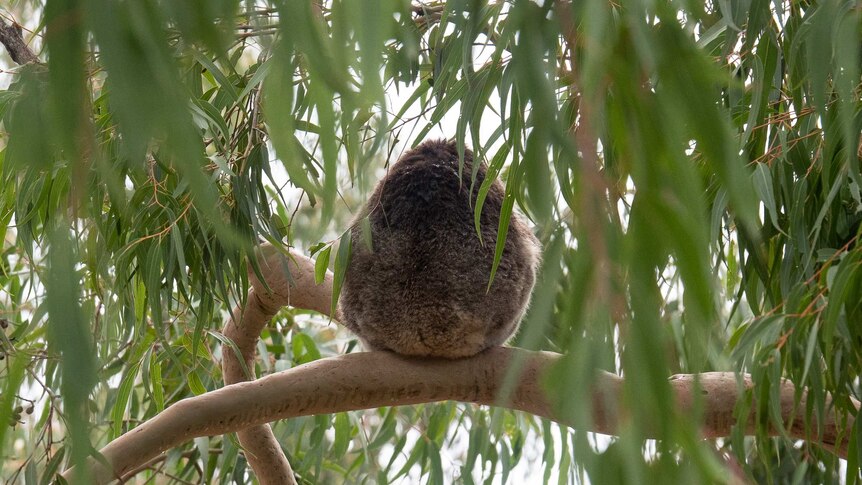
(178, 178)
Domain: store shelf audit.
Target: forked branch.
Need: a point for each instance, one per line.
(375, 379)
(262, 450)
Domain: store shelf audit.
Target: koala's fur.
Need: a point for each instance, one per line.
(422, 288)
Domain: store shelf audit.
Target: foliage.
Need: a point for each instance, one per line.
(692, 169)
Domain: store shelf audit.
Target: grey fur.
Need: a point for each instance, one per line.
(422, 288)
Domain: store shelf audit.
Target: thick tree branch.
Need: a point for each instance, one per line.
(375, 379)
(11, 38)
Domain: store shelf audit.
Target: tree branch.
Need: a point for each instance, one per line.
(374, 379)
(290, 281)
(263, 450)
(11, 38)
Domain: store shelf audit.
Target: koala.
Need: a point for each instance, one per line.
(421, 288)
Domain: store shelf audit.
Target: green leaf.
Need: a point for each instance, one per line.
(342, 259)
(121, 404)
(304, 349)
(225, 341)
(69, 335)
(763, 184)
(436, 474)
(259, 75)
(13, 379)
(321, 265)
(343, 430)
(195, 384)
(158, 387)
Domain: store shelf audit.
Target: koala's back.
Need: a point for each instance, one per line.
(422, 288)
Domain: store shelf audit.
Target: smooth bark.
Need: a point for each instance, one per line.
(374, 379)
(290, 281)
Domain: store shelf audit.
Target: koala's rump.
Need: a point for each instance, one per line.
(425, 291)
